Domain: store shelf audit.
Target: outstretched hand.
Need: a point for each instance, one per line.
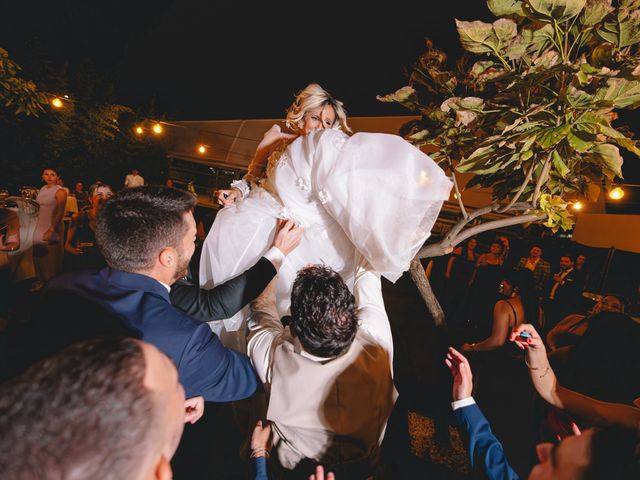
(319, 475)
(288, 236)
(461, 372)
(533, 346)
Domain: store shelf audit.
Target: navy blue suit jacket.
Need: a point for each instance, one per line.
(142, 305)
(484, 447)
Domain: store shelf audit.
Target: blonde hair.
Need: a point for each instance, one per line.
(314, 96)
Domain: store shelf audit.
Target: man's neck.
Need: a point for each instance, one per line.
(160, 276)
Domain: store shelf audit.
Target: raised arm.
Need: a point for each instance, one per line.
(373, 318)
(546, 384)
(255, 172)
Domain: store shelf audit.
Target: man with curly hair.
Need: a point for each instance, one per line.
(328, 374)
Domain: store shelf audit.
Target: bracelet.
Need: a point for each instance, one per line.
(256, 451)
(546, 370)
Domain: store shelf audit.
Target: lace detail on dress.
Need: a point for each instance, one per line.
(277, 158)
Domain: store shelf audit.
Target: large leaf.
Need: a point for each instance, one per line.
(620, 92)
(559, 165)
(608, 156)
(560, 10)
(404, 94)
(552, 136)
(594, 11)
(622, 29)
(481, 37)
(506, 8)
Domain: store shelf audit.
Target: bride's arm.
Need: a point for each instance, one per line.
(258, 164)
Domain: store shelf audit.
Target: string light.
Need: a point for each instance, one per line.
(616, 194)
(56, 102)
(577, 206)
(157, 128)
(139, 130)
(202, 149)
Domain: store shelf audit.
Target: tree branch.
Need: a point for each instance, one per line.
(458, 196)
(543, 178)
(446, 246)
(457, 228)
(519, 193)
(422, 282)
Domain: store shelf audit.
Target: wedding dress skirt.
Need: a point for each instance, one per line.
(372, 192)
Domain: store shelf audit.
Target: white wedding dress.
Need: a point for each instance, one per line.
(374, 192)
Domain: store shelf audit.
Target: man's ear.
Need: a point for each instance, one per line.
(168, 257)
(163, 469)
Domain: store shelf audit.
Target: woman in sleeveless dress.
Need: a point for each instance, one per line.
(49, 232)
(373, 192)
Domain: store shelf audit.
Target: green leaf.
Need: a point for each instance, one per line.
(404, 94)
(578, 142)
(481, 37)
(621, 92)
(560, 10)
(506, 8)
(622, 29)
(594, 11)
(609, 157)
(559, 165)
(552, 136)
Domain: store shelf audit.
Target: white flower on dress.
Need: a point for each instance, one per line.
(324, 196)
(302, 184)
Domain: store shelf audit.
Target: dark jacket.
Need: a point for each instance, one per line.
(226, 299)
(88, 303)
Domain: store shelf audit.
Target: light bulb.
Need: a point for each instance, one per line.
(56, 102)
(202, 149)
(157, 128)
(139, 130)
(616, 194)
(577, 206)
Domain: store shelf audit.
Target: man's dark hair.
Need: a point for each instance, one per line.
(615, 453)
(84, 413)
(137, 223)
(323, 312)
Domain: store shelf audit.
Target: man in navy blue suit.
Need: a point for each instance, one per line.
(607, 453)
(147, 236)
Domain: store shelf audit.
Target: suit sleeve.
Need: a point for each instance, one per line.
(226, 299)
(217, 373)
(483, 445)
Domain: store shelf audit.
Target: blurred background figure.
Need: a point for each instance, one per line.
(81, 248)
(48, 236)
(133, 179)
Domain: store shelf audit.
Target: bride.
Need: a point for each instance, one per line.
(372, 192)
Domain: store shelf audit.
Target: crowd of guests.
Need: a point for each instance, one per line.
(114, 361)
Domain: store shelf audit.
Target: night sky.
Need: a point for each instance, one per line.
(202, 59)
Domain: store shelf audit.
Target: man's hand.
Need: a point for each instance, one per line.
(319, 475)
(288, 236)
(462, 376)
(193, 409)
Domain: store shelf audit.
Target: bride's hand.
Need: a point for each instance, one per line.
(226, 197)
